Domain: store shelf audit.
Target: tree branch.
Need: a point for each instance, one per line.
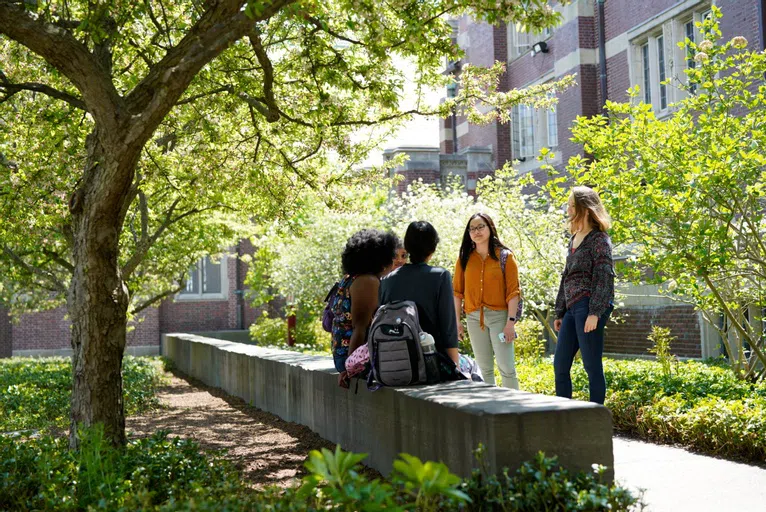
(13, 88)
(268, 75)
(35, 271)
(145, 243)
(58, 259)
(71, 57)
(158, 297)
(223, 23)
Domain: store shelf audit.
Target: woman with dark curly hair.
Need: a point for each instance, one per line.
(368, 255)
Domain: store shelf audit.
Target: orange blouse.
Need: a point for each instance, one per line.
(481, 284)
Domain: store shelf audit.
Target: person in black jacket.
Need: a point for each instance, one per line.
(428, 287)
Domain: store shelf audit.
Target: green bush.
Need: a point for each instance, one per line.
(542, 484)
(530, 344)
(42, 474)
(701, 405)
(164, 474)
(36, 393)
(309, 335)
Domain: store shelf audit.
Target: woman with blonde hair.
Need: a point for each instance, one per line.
(586, 294)
(490, 296)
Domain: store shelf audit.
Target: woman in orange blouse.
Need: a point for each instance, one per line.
(490, 299)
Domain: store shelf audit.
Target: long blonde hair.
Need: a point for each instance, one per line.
(588, 205)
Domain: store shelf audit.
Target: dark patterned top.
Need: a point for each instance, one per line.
(589, 272)
(341, 323)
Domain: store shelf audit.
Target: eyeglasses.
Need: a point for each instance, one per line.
(476, 229)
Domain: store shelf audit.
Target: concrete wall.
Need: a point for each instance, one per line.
(443, 422)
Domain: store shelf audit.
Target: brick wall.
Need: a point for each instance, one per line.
(480, 52)
(622, 15)
(740, 18)
(629, 334)
(202, 315)
(618, 77)
(5, 333)
(50, 330)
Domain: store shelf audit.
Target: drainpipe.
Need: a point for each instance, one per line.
(602, 51)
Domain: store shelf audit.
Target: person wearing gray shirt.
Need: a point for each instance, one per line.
(428, 287)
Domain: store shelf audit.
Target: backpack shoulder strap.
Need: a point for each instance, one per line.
(504, 253)
(332, 291)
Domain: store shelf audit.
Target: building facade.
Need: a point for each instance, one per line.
(212, 301)
(611, 46)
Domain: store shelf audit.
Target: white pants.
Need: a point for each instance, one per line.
(486, 346)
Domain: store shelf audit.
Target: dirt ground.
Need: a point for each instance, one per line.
(268, 450)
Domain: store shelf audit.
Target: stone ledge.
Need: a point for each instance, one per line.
(444, 422)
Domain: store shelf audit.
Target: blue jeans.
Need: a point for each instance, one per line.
(572, 337)
(339, 358)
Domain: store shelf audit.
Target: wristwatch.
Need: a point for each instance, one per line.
(511, 318)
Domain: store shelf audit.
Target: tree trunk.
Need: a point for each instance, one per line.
(98, 298)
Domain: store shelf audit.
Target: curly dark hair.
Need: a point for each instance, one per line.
(467, 247)
(369, 251)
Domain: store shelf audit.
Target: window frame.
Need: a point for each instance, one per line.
(658, 40)
(516, 50)
(540, 119)
(200, 295)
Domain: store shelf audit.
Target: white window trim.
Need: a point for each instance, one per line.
(541, 136)
(671, 26)
(512, 35)
(200, 296)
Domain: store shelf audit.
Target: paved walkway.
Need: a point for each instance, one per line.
(677, 480)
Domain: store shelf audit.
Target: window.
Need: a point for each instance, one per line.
(661, 72)
(657, 61)
(520, 42)
(553, 127)
(531, 129)
(646, 71)
(690, 33)
(207, 280)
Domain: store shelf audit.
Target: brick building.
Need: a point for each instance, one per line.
(639, 47)
(212, 301)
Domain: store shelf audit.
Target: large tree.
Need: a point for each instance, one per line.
(136, 133)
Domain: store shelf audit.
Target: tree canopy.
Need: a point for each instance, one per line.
(236, 107)
(139, 135)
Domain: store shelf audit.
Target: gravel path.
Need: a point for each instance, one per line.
(268, 450)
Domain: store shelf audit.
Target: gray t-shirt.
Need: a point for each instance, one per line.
(431, 289)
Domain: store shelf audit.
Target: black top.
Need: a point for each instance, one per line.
(589, 272)
(431, 289)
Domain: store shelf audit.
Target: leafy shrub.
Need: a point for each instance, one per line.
(530, 344)
(661, 340)
(309, 335)
(166, 474)
(36, 393)
(543, 485)
(269, 330)
(702, 405)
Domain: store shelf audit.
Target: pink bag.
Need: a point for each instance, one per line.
(358, 360)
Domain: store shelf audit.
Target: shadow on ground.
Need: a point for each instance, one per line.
(267, 449)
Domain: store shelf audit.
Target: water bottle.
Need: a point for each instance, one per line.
(428, 345)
